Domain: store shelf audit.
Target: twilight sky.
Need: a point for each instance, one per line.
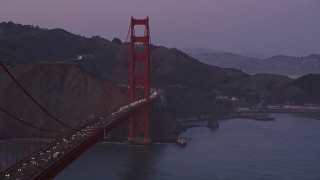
(269, 27)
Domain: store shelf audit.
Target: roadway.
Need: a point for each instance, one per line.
(46, 158)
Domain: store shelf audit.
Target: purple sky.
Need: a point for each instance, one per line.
(269, 27)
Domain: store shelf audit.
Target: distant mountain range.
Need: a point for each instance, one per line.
(284, 65)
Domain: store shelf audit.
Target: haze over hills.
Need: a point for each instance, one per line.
(191, 86)
(208, 51)
(285, 65)
(109, 60)
(59, 45)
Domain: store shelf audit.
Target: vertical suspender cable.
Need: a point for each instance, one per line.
(7, 145)
(12, 141)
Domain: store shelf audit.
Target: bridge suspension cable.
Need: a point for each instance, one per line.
(48, 160)
(35, 101)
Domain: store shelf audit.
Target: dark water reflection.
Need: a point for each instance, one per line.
(116, 161)
(143, 161)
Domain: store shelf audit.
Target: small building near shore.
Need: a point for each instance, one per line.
(243, 109)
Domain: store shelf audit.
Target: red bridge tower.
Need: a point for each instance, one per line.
(139, 81)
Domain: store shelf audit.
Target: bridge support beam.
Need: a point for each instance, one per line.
(139, 81)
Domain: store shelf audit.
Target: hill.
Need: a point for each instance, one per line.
(310, 86)
(191, 86)
(170, 68)
(260, 83)
(66, 90)
(284, 65)
(170, 65)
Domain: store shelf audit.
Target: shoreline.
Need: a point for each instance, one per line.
(253, 115)
(291, 111)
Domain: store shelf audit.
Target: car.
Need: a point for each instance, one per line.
(56, 155)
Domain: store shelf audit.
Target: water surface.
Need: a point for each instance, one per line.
(287, 148)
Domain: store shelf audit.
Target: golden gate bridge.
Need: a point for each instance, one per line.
(55, 154)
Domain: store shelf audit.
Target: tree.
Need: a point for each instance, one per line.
(116, 40)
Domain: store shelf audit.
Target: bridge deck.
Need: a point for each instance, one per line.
(52, 159)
